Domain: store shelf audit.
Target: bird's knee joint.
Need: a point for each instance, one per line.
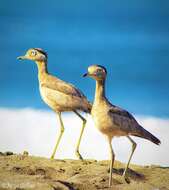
(84, 121)
(134, 145)
(62, 130)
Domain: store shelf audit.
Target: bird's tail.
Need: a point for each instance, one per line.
(85, 106)
(147, 135)
(88, 107)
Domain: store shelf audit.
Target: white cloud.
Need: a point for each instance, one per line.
(36, 132)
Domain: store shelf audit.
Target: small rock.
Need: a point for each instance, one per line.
(75, 173)
(8, 153)
(61, 170)
(40, 171)
(1, 154)
(62, 185)
(16, 168)
(102, 180)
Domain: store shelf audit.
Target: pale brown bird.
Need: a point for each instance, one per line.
(112, 120)
(57, 94)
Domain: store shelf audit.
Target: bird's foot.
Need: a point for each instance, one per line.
(126, 179)
(79, 155)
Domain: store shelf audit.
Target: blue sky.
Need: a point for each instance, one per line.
(130, 38)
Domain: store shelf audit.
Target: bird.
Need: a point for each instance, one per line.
(59, 95)
(112, 120)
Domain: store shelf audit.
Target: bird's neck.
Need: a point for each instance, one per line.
(42, 68)
(100, 90)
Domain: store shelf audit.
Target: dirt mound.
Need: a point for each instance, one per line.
(23, 172)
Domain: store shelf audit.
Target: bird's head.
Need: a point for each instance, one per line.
(96, 72)
(34, 54)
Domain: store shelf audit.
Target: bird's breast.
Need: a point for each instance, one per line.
(104, 122)
(45, 95)
(58, 100)
(101, 119)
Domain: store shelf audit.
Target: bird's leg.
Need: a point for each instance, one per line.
(80, 137)
(111, 161)
(60, 136)
(133, 149)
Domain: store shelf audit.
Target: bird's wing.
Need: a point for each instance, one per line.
(61, 86)
(120, 112)
(126, 122)
(122, 118)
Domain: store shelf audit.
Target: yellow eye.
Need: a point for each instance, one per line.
(33, 53)
(99, 71)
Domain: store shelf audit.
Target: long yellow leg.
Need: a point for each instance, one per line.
(80, 137)
(133, 149)
(111, 161)
(60, 136)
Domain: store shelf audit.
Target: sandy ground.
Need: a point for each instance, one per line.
(23, 172)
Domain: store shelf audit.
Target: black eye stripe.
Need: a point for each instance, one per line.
(103, 68)
(41, 51)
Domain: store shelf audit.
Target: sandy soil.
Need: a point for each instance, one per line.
(23, 172)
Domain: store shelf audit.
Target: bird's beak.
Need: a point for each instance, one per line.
(21, 57)
(86, 74)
